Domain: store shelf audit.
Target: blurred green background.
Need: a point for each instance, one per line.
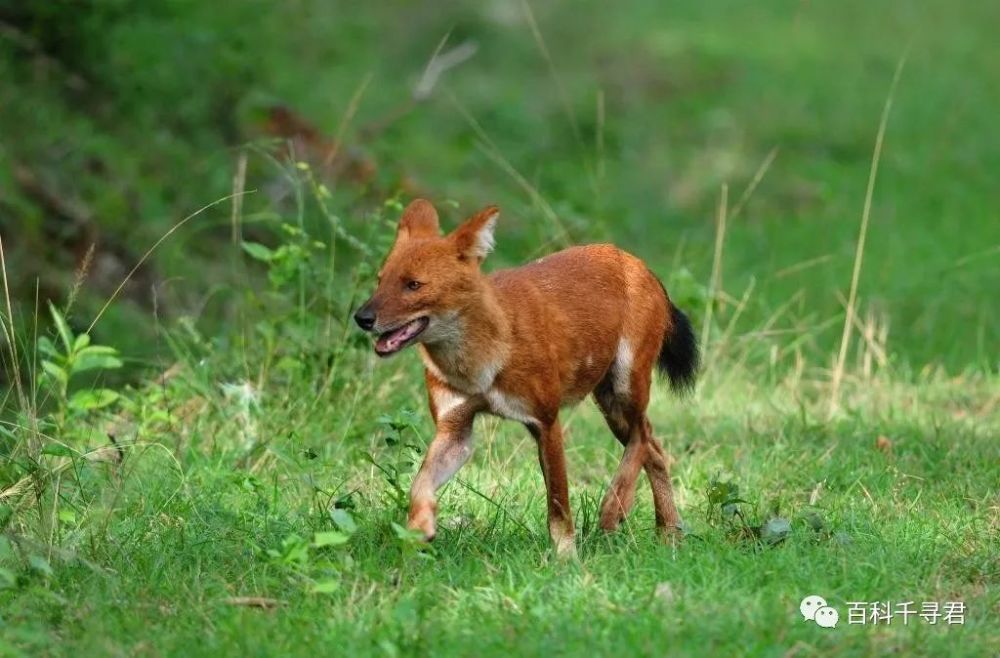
(614, 122)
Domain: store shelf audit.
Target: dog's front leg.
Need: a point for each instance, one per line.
(450, 448)
(552, 459)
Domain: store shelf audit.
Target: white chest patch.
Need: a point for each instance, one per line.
(484, 380)
(445, 401)
(461, 379)
(509, 406)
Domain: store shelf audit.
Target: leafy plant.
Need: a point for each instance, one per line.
(400, 458)
(73, 355)
(412, 543)
(313, 562)
(731, 512)
(43, 469)
(289, 261)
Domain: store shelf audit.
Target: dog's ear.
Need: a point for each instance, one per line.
(474, 238)
(419, 220)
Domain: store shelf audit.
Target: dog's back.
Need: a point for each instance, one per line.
(576, 312)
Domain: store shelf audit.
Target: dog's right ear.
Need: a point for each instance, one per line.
(419, 220)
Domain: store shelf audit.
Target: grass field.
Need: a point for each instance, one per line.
(249, 499)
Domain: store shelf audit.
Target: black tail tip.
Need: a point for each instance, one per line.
(679, 356)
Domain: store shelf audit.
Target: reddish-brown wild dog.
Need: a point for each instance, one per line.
(521, 343)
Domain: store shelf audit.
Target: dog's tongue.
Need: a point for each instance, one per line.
(390, 342)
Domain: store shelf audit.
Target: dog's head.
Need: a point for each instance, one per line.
(427, 279)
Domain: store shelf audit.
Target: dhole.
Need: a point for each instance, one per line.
(521, 343)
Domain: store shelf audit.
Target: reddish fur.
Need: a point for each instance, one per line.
(521, 343)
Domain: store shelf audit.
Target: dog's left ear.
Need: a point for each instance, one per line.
(474, 238)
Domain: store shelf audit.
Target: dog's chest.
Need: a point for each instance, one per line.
(456, 370)
(481, 381)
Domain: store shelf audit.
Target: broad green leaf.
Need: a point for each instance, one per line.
(81, 342)
(57, 450)
(67, 516)
(330, 538)
(326, 587)
(98, 349)
(56, 373)
(258, 251)
(46, 347)
(96, 357)
(344, 520)
(406, 535)
(97, 398)
(64, 333)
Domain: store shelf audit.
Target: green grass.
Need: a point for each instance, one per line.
(278, 423)
(151, 554)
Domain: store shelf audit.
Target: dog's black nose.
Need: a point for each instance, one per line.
(365, 318)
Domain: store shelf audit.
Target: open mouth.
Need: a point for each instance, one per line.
(392, 341)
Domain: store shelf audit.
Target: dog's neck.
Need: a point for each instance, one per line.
(469, 359)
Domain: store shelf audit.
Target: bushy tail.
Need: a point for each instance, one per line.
(679, 355)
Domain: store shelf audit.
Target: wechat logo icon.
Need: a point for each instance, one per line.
(814, 608)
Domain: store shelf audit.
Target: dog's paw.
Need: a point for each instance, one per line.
(422, 521)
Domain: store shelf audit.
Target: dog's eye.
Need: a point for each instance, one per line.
(413, 285)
